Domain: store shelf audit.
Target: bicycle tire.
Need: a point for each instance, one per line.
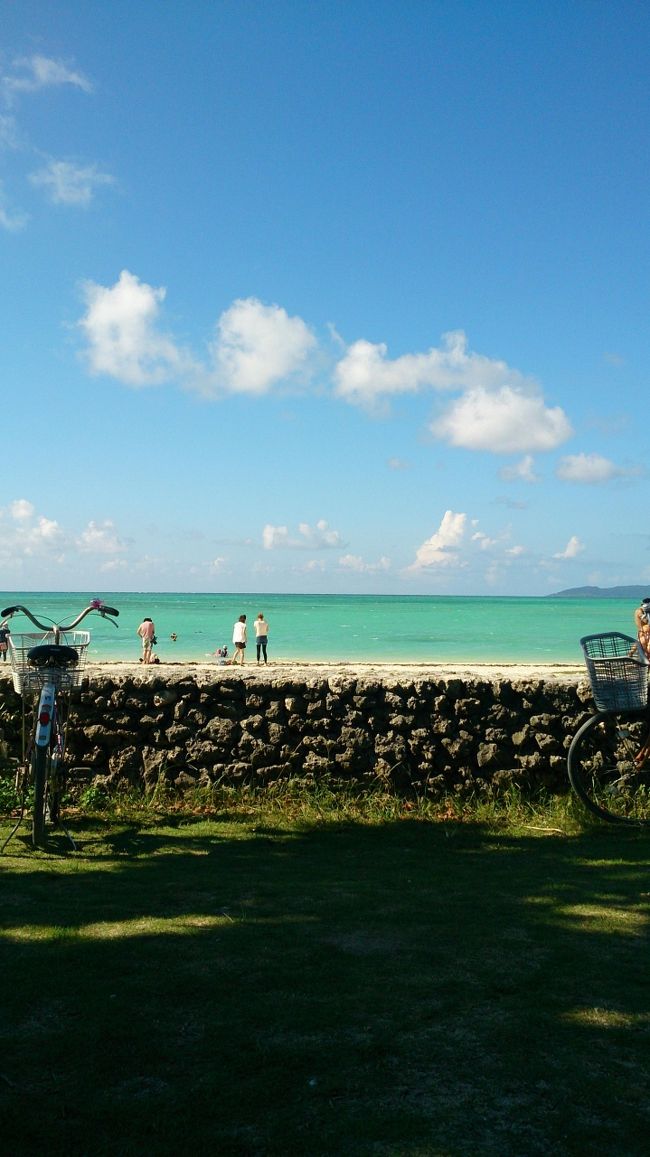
(40, 762)
(602, 768)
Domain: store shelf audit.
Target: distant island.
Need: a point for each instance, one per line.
(634, 592)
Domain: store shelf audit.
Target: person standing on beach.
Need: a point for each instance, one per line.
(239, 638)
(147, 633)
(261, 636)
(4, 640)
(642, 621)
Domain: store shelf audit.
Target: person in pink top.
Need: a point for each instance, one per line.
(147, 633)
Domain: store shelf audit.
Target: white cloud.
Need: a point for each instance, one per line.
(275, 536)
(42, 535)
(100, 538)
(318, 537)
(365, 375)
(588, 468)
(503, 422)
(483, 540)
(354, 562)
(397, 464)
(218, 564)
(573, 548)
(499, 409)
(516, 551)
(69, 184)
(121, 326)
(30, 74)
(259, 345)
(22, 509)
(65, 182)
(24, 533)
(440, 550)
(522, 471)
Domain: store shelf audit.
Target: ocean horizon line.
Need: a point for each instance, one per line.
(291, 594)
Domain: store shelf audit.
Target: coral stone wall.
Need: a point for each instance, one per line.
(430, 734)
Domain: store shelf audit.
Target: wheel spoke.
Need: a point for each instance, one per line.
(605, 769)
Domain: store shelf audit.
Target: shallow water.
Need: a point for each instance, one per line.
(345, 627)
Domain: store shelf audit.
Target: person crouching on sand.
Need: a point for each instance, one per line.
(239, 638)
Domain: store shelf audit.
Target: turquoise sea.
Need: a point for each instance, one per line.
(425, 629)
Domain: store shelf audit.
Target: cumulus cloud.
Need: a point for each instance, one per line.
(121, 325)
(589, 468)
(69, 184)
(499, 409)
(366, 376)
(484, 541)
(21, 509)
(33, 73)
(24, 532)
(100, 538)
(522, 471)
(573, 548)
(441, 550)
(259, 345)
(356, 563)
(505, 421)
(318, 537)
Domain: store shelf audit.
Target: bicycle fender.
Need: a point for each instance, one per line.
(45, 716)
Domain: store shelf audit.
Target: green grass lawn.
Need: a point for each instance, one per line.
(258, 983)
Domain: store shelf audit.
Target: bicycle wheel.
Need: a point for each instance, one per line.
(604, 770)
(40, 762)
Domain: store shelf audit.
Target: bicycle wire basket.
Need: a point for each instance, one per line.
(618, 671)
(29, 679)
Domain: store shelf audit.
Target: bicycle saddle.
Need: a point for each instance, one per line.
(52, 655)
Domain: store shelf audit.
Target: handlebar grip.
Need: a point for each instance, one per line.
(110, 611)
(9, 611)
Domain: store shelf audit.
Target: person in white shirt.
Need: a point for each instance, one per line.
(261, 636)
(239, 638)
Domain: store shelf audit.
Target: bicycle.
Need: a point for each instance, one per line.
(45, 668)
(609, 756)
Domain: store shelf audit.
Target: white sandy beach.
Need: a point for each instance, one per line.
(388, 672)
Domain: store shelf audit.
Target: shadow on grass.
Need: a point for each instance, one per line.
(403, 988)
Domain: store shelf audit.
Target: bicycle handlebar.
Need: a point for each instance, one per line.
(97, 606)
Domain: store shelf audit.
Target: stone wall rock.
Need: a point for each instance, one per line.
(432, 735)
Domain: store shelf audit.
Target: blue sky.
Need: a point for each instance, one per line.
(330, 297)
